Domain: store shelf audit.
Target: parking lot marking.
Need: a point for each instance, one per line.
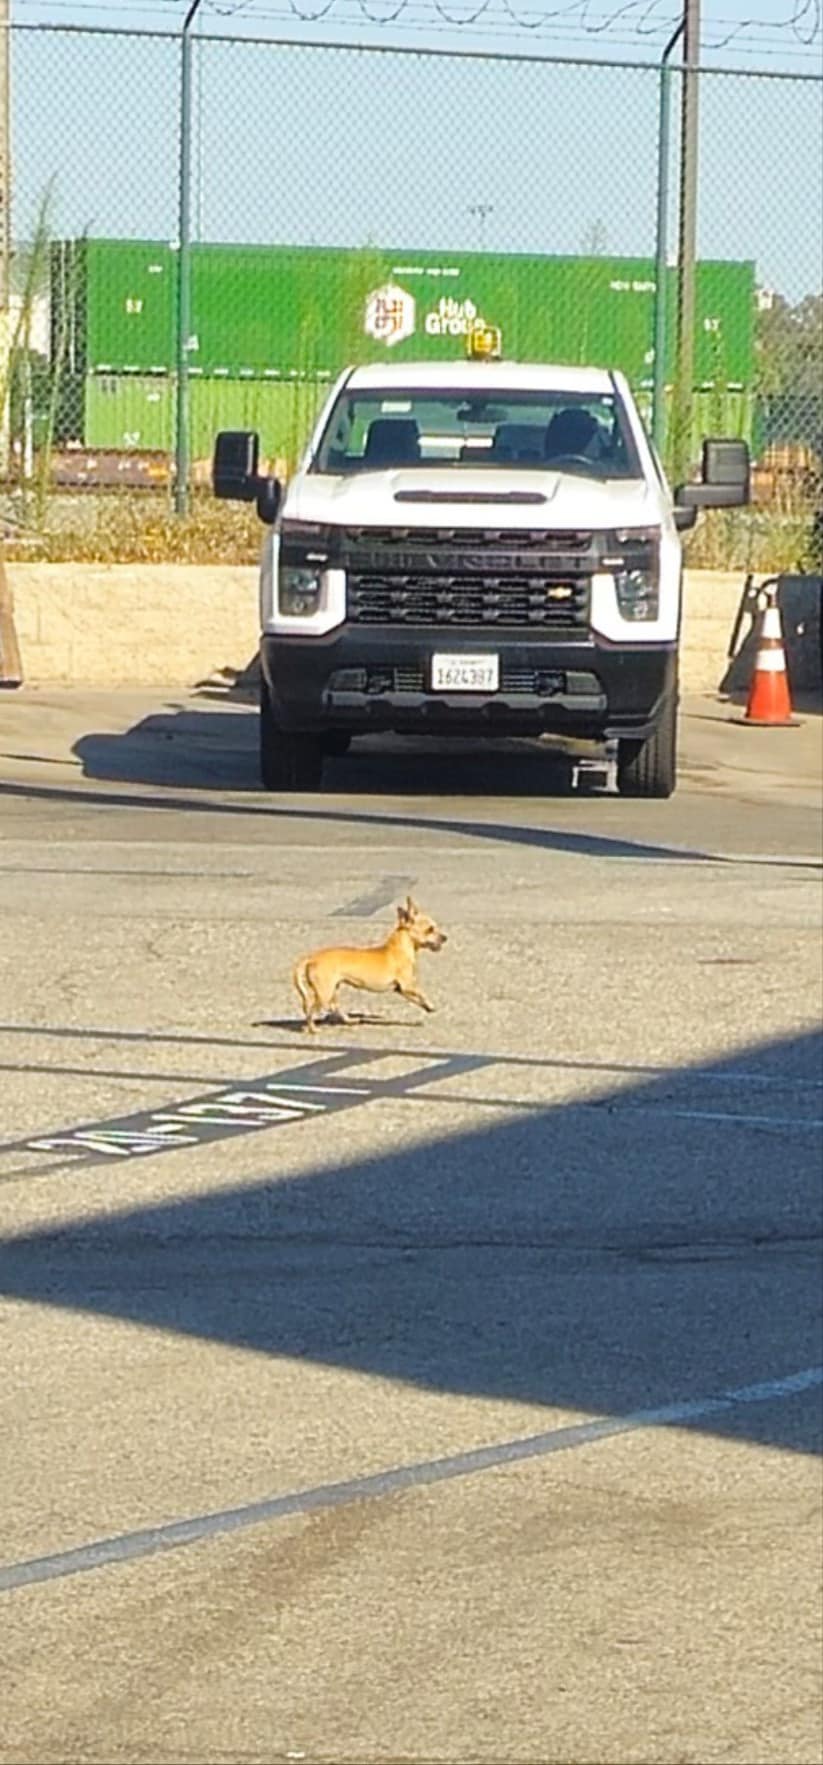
(302, 1092)
(148, 1541)
(719, 1115)
(276, 1099)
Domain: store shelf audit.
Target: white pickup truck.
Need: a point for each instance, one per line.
(474, 548)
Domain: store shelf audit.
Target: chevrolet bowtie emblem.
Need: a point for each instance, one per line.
(560, 591)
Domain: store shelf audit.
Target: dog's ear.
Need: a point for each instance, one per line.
(402, 915)
(411, 907)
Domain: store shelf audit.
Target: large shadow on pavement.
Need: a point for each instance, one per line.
(272, 810)
(656, 1241)
(180, 758)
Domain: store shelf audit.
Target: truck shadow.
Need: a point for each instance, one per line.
(198, 748)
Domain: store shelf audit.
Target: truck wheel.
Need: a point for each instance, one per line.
(288, 761)
(649, 768)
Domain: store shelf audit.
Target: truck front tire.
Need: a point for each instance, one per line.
(649, 768)
(336, 743)
(288, 761)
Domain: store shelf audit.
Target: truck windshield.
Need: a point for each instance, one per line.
(376, 431)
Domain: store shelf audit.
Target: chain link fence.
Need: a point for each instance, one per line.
(353, 204)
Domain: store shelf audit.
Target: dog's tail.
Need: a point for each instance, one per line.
(300, 980)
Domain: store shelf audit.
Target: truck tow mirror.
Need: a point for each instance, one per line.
(234, 467)
(725, 480)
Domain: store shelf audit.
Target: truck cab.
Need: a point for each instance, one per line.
(477, 548)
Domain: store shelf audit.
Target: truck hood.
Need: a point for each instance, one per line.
(555, 499)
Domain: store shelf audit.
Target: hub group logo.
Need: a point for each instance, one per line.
(390, 314)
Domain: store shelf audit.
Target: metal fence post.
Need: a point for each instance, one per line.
(182, 424)
(661, 264)
(687, 247)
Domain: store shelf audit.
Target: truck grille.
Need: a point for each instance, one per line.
(537, 602)
(468, 576)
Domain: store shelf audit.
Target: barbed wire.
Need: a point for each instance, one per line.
(647, 18)
(568, 24)
(623, 22)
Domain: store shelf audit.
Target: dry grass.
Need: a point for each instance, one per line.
(137, 528)
(129, 527)
(754, 539)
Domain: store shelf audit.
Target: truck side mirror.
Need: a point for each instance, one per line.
(235, 474)
(234, 467)
(726, 467)
(725, 481)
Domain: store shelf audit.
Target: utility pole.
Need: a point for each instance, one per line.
(5, 226)
(687, 242)
(659, 425)
(5, 153)
(11, 671)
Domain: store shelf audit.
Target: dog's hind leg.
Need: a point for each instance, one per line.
(307, 994)
(340, 1013)
(324, 998)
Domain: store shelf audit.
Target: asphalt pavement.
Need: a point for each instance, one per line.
(440, 1388)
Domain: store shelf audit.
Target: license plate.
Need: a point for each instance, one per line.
(465, 674)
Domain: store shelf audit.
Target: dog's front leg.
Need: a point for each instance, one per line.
(415, 997)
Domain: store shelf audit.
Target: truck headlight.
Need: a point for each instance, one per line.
(638, 593)
(299, 590)
(633, 556)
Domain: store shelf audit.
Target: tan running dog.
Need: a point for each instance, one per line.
(384, 968)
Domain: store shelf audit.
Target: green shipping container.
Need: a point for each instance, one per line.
(128, 412)
(125, 412)
(279, 313)
(113, 303)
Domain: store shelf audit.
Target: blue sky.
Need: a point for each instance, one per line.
(312, 145)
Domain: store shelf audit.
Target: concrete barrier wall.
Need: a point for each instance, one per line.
(132, 624)
(710, 602)
(179, 625)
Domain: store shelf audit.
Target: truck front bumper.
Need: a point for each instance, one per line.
(363, 679)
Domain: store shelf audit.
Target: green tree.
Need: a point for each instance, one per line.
(789, 372)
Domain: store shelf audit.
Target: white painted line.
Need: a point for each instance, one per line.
(131, 1546)
(812, 1124)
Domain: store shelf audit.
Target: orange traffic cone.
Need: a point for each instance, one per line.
(769, 700)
